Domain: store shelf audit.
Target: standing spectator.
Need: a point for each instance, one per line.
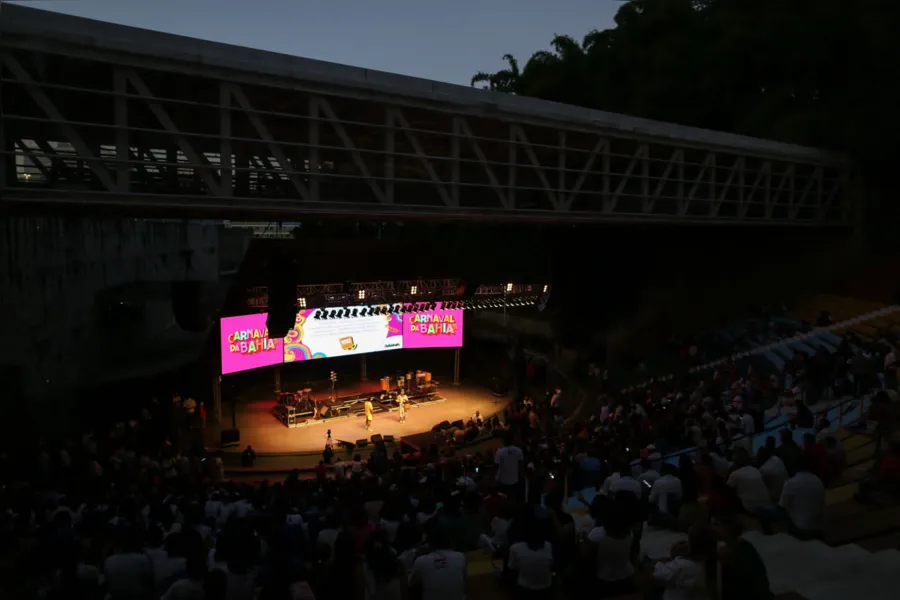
(532, 560)
(509, 460)
(440, 573)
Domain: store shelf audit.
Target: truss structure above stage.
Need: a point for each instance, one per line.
(324, 295)
(176, 125)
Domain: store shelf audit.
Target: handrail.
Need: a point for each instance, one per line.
(780, 343)
(840, 405)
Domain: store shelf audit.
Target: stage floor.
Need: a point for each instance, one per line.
(267, 435)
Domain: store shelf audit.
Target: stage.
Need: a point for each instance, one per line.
(260, 428)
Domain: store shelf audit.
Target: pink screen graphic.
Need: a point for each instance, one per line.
(245, 345)
(435, 329)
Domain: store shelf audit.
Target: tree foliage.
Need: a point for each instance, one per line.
(815, 72)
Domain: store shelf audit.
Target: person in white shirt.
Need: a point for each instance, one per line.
(532, 560)
(612, 546)
(129, 572)
(441, 573)
(803, 502)
(665, 498)
(748, 484)
(774, 473)
(626, 483)
(692, 572)
(648, 475)
(509, 461)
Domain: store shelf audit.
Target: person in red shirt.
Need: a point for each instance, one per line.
(321, 471)
(817, 457)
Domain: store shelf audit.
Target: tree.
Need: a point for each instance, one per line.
(815, 72)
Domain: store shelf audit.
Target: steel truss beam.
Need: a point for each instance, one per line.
(116, 133)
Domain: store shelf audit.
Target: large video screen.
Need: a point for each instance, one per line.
(245, 343)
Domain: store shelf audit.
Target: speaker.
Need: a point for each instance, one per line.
(362, 443)
(188, 305)
(231, 438)
(442, 426)
(377, 438)
(389, 439)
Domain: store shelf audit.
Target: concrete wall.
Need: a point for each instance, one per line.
(84, 301)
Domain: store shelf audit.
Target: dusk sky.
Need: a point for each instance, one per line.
(446, 41)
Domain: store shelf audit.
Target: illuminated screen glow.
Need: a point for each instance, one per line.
(244, 344)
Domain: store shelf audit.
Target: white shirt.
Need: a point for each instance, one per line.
(442, 575)
(775, 474)
(613, 556)
(535, 567)
(507, 460)
(627, 484)
(665, 486)
(890, 360)
(684, 580)
(750, 488)
(650, 476)
(185, 589)
(748, 425)
(803, 498)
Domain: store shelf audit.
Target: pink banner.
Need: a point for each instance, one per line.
(245, 344)
(435, 329)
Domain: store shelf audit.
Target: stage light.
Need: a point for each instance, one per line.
(509, 287)
(546, 288)
(413, 290)
(354, 312)
(361, 294)
(301, 302)
(318, 315)
(334, 314)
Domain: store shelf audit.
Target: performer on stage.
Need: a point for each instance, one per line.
(403, 400)
(369, 415)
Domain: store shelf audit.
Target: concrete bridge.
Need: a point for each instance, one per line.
(96, 115)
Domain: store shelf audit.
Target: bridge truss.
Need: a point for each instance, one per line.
(91, 125)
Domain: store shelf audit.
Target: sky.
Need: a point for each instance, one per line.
(434, 39)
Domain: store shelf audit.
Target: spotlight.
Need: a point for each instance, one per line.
(413, 289)
(354, 312)
(361, 295)
(363, 312)
(301, 302)
(334, 315)
(318, 315)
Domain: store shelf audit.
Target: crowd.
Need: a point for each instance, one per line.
(139, 512)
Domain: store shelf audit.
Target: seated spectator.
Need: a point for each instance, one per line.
(748, 485)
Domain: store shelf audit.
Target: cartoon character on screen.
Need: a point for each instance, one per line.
(370, 416)
(403, 402)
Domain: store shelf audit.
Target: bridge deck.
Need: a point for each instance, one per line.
(101, 114)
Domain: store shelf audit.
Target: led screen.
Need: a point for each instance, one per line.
(433, 329)
(324, 338)
(244, 343)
